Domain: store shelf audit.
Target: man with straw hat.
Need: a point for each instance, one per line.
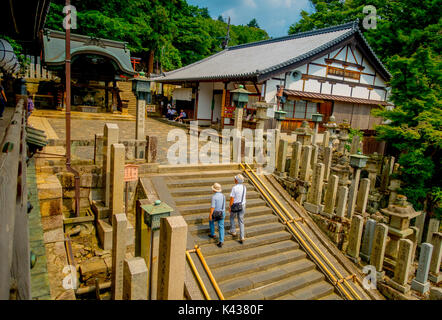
(238, 207)
(217, 213)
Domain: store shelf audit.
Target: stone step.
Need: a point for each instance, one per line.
(182, 192)
(315, 291)
(252, 231)
(206, 197)
(203, 218)
(332, 296)
(205, 207)
(242, 284)
(224, 259)
(218, 174)
(200, 182)
(197, 168)
(252, 266)
(249, 222)
(283, 287)
(232, 245)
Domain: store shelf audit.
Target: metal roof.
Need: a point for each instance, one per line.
(258, 61)
(54, 49)
(322, 96)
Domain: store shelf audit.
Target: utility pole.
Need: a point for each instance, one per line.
(227, 39)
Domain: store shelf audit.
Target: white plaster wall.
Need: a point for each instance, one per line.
(312, 86)
(326, 88)
(360, 92)
(340, 89)
(205, 100)
(271, 90)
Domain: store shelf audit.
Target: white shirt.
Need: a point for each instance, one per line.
(237, 193)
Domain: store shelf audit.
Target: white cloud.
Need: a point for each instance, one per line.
(250, 3)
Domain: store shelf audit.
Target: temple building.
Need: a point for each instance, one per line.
(327, 71)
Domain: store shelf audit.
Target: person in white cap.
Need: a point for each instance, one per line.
(238, 207)
(217, 213)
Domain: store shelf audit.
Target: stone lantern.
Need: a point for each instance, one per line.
(304, 134)
(357, 161)
(399, 214)
(141, 89)
(152, 216)
(261, 113)
(240, 98)
(331, 126)
(344, 129)
(317, 118)
(279, 117)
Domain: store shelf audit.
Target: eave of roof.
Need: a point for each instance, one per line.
(322, 96)
(264, 74)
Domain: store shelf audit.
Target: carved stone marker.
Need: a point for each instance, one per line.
(420, 282)
(355, 234)
(342, 201)
(367, 240)
(403, 265)
(435, 275)
(433, 226)
(326, 139)
(119, 229)
(282, 157)
(379, 244)
(135, 279)
(117, 178)
(110, 137)
(172, 258)
(305, 164)
(296, 160)
(362, 199)
(328, 155)
(330, 196)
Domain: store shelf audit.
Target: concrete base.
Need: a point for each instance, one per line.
(313, 208)
(282, 175)
(104, 230)
(435, 278)
(364, 257)
(401, 288)
(420, 287)
(353, 259)
(100, 211)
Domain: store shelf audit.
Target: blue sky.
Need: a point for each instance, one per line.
(274, 16)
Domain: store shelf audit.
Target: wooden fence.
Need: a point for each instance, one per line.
(14, 233)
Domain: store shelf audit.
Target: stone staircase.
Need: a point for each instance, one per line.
(126, 93)
(268, 265)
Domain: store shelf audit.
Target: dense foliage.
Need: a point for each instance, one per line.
(407, 38)
(170, 32)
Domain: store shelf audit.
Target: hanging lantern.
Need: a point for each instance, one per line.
(8, 59)
(240, 97)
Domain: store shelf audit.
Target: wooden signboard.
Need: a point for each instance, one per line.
(130, 173)
(333, 71)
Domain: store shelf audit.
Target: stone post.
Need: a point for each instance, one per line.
(151, 149)
(433, 226)
(367, 240)
(314, 158)
(362, 199)
(172, 258)
(330, 196)
(140, 127)
(119, 229)
(413, 238)
(353, 193)
(238, 118)
(141, 233)
(378, 248)
(342, 201)
(305, 164)
(296, 160)
(328, 154)
(403, 266)
(315, 193)
(135, 279)
(98, 150)
(326, 139)
(420, 223)
(420, 282)
(282, 158)
(277, 140)
(435, 275)
(354, 241)
(355, 142)
(110, 137)
(117, 178)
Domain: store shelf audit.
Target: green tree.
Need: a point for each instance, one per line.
(253, 24)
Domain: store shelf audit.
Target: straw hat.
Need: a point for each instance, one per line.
(217, 187)
(239, 178)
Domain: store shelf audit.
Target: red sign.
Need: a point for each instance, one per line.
(130, 173)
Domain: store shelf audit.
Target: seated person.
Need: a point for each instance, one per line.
(181, 117)
(171, 114)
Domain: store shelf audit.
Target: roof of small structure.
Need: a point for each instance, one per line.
(54, 49)
(261, 60)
